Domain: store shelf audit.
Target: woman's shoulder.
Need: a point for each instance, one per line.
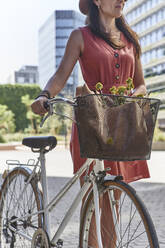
(85, 30)
(76, 38)
(81, 33)
(76, 35)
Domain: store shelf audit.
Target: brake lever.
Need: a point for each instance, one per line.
(44, 119)
(49, 107)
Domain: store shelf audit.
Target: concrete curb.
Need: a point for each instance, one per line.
(8, 147)
(158, 146)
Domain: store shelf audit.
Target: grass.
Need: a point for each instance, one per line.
(18, 137)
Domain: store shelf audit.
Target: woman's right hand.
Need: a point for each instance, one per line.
(38, 106)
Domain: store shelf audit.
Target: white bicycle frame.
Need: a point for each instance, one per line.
(49, 206)
(99, 166)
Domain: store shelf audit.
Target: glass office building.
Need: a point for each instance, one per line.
(53, 37)
(147, 18)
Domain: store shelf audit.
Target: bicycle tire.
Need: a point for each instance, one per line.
(12, 207)
(134, 224)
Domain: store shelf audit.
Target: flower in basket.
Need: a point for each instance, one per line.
(99, 86)
(113, 90)
(140, 95)
(130, 85)
(121, 90)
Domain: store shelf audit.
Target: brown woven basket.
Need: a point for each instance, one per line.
(116, 128)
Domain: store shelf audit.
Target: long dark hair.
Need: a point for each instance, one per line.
(97, 28)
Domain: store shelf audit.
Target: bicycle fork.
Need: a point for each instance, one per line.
(97, 214)
(100, 167)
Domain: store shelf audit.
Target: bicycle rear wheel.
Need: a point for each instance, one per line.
(124, 224)
(16, 227)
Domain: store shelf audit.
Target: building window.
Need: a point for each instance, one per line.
(63, 32)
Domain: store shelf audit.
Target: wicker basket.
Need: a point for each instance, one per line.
(116, 128)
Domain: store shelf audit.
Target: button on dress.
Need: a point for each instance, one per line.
(101, 63)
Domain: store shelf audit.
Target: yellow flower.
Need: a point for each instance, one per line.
(99, 86)
(140, 95)
(109, 141)
(113, 90)
(129, 80)
(121, 90)
(130, 84)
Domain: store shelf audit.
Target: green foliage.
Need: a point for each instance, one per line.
(65, 123)
(18, 137)
(34, 119)
(6, 120)
(158, 135)
(58, 124)
(2, 140)
(11, 96)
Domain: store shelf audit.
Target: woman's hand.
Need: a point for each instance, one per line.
(38, 106)
(140, 90)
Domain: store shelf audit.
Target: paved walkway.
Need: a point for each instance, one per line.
(59, 162)
(59, 169)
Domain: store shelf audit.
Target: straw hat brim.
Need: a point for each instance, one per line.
(83, 6)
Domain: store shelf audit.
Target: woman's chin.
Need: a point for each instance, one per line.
(117, 15)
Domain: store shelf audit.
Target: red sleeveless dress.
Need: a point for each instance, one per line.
(101, 63)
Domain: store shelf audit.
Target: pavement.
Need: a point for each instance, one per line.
(59, 162)
(59, 170)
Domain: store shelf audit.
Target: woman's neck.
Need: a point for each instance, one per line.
(109, 24)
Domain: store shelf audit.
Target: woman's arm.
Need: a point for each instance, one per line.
(139, 83)
(56, 83)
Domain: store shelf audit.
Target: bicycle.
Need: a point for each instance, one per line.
(24, 206)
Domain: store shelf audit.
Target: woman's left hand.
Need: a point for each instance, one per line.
(140, 90)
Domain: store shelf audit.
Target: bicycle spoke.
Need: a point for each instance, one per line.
(128, 225)
(19, 201)
(129, 229)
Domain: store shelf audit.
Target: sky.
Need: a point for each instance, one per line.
(20, 21)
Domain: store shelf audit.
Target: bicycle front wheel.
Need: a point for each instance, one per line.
(124, 220)
(17, 204)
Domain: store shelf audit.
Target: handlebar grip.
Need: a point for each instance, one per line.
(46, 105)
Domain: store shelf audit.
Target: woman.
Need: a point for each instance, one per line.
(108, 52)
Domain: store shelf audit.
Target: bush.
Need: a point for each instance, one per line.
(6, 120)
(33, 118)
(11, 96)
(2, 140)
(158, 135)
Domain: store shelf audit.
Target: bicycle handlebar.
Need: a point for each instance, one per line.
(48, 105)
(61, 100)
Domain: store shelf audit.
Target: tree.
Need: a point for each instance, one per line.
(11, 97)
(6, 120)
(34, 119)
